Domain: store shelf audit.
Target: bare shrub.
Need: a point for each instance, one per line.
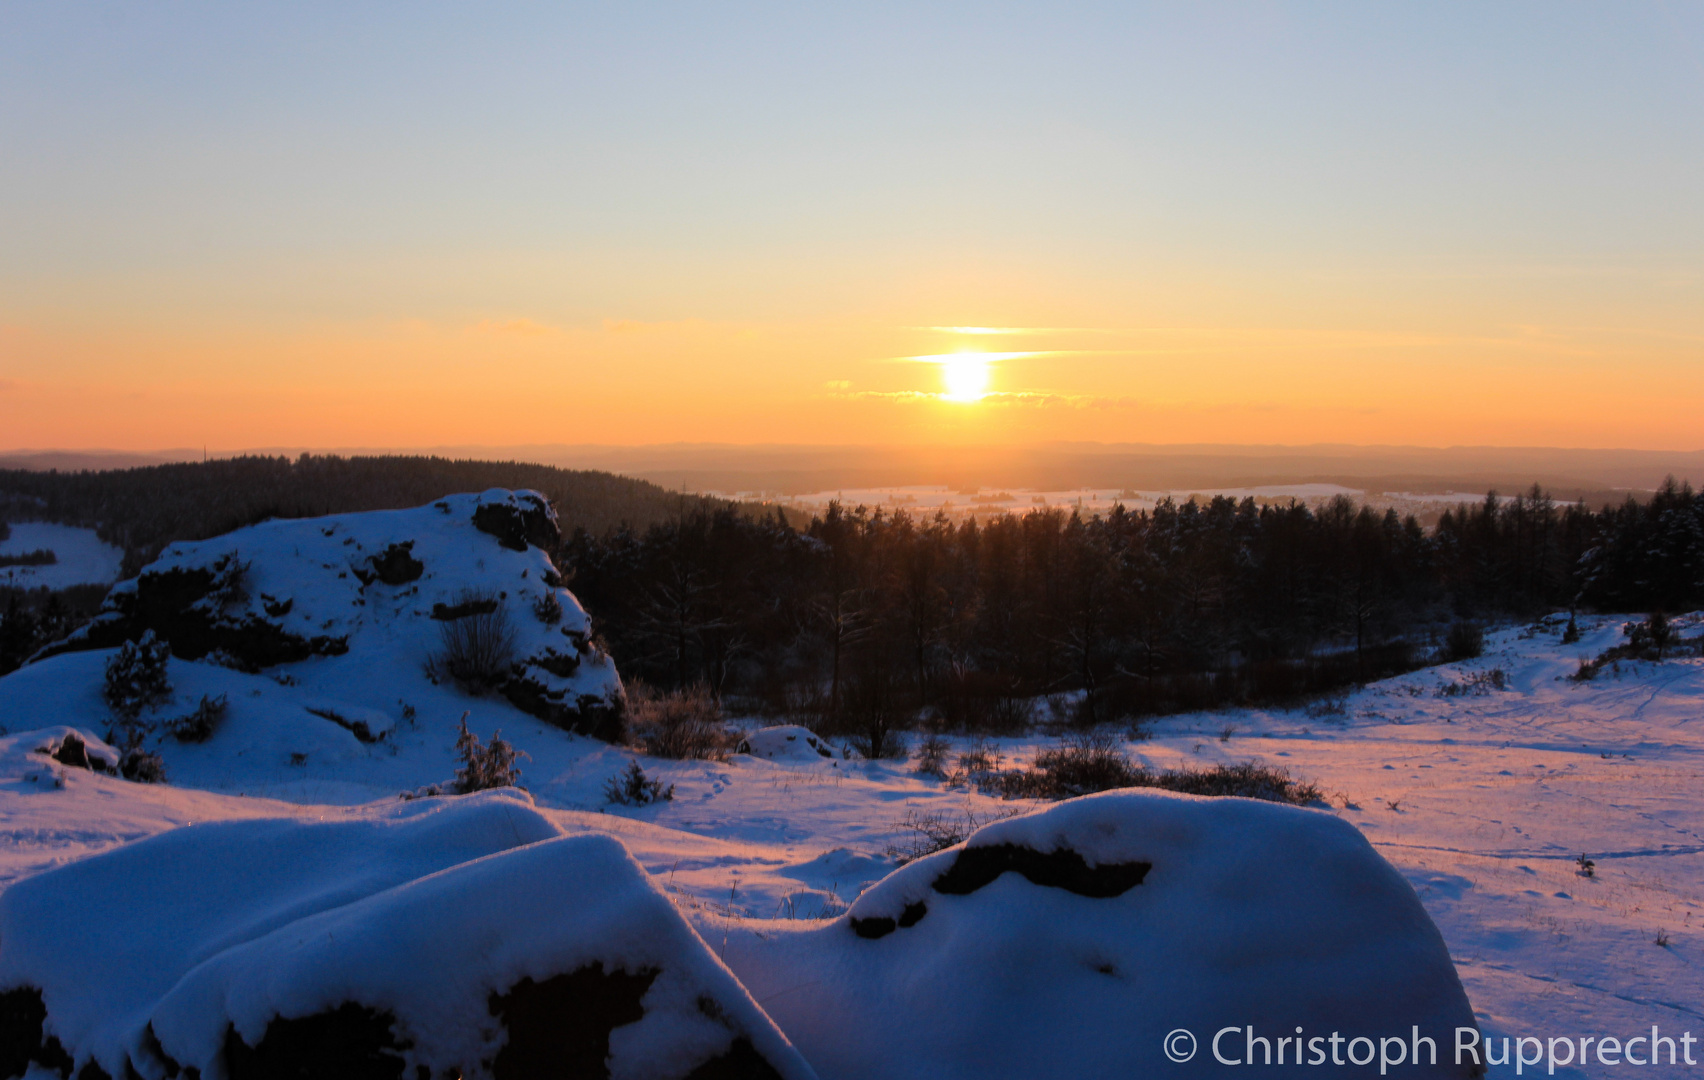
(548, 609)
(1478, 685)
(1081, 764)
(199, 725)
(873, 711)
(633, 788)
(1465, 641)
(679, 724)
(975, 764)
(485, 767)
(1327, 706)
(924, 833)
(982, 702)
(932, 756)
(142, 767)
(478, 648)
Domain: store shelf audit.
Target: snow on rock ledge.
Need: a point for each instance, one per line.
(456, 936)
(1069, 942)
(374, 589)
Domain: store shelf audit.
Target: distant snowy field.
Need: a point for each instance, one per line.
(83, 557)
(1482, 800)
(928, 500)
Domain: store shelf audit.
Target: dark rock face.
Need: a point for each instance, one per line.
(740, 1062)
(583, 715)
(22, 1015)
(396, 565)
(186, 607)
(350, 1042)
(73, 752)
(479, 605)
(1061, 869)
(559, 1028)
(517, 526)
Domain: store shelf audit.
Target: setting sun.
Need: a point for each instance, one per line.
(966, 376)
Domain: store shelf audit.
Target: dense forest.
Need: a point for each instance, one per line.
(866, 617)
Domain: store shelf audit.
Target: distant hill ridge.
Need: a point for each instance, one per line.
(141, 510)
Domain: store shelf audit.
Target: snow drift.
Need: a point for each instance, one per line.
(1068, 943)
(461, 936)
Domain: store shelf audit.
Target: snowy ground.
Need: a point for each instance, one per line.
(1483, 799)
(83, 557)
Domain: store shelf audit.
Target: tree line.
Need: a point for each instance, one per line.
(868, 616)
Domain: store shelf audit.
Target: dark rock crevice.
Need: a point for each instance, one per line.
(560, 1027)
(350, 1042)
(1061, 869)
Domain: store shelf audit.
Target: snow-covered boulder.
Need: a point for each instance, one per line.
(784, 742)
(376, 592)
(1070, 942)
(455, 937)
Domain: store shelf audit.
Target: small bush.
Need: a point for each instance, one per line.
(680, 724)
(136, 677)
(1080, 765)
(1478, 685)
(1571, 632)
(142, 767)
(548, 609)
(485, 767)
(199, 725)
(932, 756)
(1658, 632)
(478, 648)
(1465, 641)
(975, 764)
(633, 788)
(1327, 706)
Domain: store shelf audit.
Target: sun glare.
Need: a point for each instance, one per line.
(966, 376)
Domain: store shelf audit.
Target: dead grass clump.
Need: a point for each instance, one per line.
(478, 646)
(679, 724)
(923, 833)
(1085, 763)
(1247, 780)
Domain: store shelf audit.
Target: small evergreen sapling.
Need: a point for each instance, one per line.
(136, 677)
(485, 767)
(634, 788)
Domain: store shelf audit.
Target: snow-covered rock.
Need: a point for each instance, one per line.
(461, 936)
(1070, 942)
(375, 593)
(784, 742)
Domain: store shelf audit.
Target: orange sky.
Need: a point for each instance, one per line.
(1284, 223)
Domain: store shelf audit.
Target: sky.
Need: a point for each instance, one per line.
(420, 224)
